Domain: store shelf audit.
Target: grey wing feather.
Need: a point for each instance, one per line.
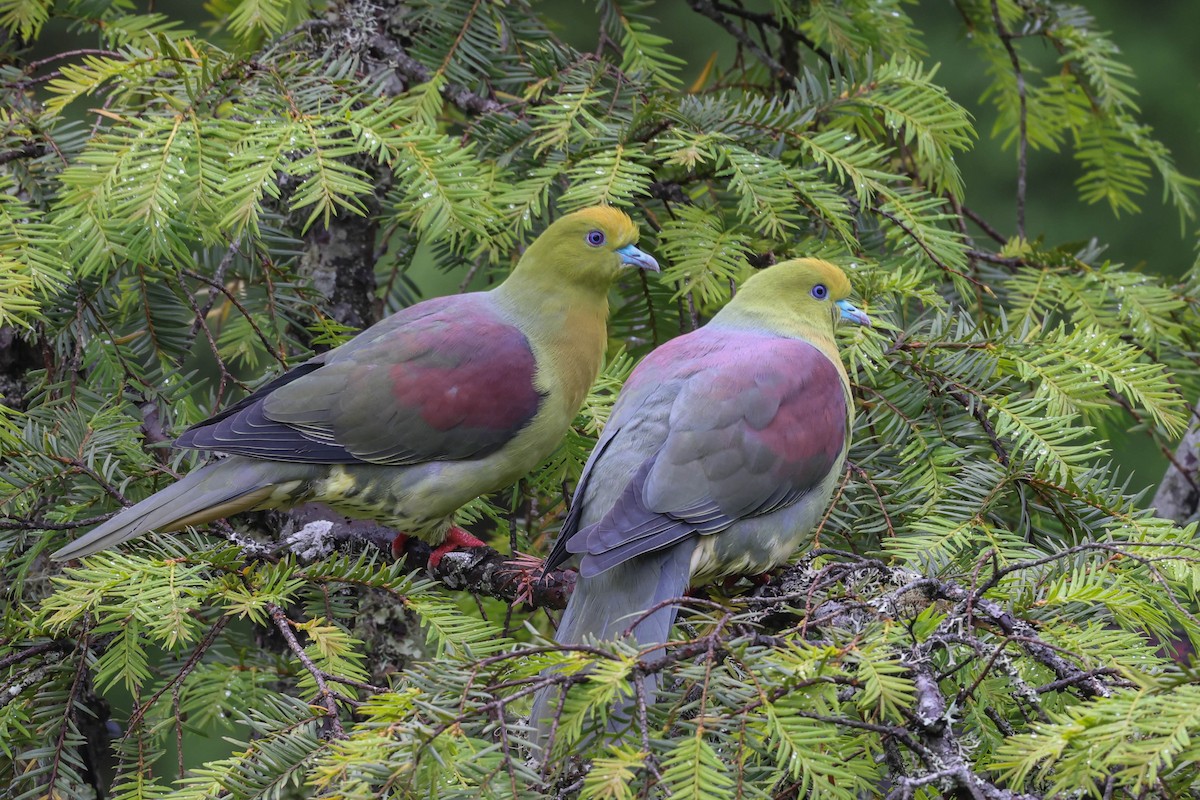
(740, 442)
(639, 411)
(197, 436)
(251, 433)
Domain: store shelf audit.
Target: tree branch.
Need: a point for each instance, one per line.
(488, 572)
(1178, 496)
(327, 695)
(415, 72)
(312, 531)
(31, 150)
(709, 9)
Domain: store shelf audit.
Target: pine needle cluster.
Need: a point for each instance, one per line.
(988, 609)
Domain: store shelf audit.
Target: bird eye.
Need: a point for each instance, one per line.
(820, 292)
(595, 238)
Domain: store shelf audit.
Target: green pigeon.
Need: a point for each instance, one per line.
(719, 458)
(427, 409)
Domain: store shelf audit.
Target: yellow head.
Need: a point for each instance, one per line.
(804, 296)
(585, 248)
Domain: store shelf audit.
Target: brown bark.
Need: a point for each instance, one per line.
(340, 263)
(1178, 496)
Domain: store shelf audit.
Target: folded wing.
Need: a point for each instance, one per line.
(715, 429)
(416, 388)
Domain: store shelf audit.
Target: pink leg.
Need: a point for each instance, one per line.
(456, 538)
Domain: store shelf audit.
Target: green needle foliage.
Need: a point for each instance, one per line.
(987, 609)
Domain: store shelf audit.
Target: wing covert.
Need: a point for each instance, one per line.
(758, 422)
(427, 387)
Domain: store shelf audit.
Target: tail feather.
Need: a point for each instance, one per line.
(607, 605)
(217, 490)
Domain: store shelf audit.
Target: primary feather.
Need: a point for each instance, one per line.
(437, 404)
(719, 457)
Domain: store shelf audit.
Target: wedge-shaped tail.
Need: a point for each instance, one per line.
(606, 605)
(217, 490)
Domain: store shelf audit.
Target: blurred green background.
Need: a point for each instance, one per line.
(1159, 40)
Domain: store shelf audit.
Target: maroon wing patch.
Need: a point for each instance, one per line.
(483, 380)
(756, 423)
(447, 379)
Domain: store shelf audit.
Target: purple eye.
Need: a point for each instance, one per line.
(595, 238)
(820, 292)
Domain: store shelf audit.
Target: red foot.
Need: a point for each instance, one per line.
(398, 545)
(456, 538)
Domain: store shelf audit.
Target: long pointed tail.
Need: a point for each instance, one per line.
(217, 490)
(604, 606)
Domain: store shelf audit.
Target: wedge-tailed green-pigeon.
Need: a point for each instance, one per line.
(719, 458)
(431, 407)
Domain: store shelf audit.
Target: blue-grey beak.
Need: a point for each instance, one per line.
(636, 258)
(853, 314)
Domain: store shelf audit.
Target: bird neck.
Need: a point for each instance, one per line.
(782, 322)
(566, 323)
(543, 269)
(556, 298)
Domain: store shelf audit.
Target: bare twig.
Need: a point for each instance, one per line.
(983, 224)
(11, 524)
(31, 652)
(34, 66)
(31, 150)
(189, 665)
(218, 277)
(709, 9)
(220, 287)
(1006, 37)
(327, 696)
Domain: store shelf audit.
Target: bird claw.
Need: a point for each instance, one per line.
(456, 538)
(398, 544)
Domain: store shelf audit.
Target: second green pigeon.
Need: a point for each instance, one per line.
(433, 406)
(718, 460)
